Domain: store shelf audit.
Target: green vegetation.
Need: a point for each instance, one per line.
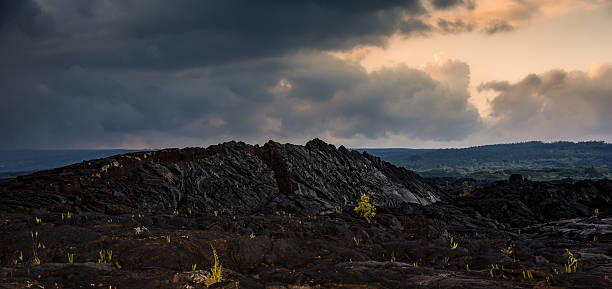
(453, 244)
(35, 245)
(106, 256)
(533, 160)
(572, 262)
(216, 271)
(365, 208)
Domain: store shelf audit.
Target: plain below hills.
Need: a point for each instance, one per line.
(534, 160)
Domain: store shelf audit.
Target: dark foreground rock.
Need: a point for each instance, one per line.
(282, 216)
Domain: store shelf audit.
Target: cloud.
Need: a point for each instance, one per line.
(24, 16)
(555, 105)
(121, 73)
(499, 16)
(292, 97)
(454, 27)
(157, 35)
(497, 26)
(446, 4)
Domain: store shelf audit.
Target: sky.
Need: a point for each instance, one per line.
(389, 73)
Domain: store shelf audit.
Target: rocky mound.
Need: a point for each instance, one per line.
(521, 202)
(236, 177)
(282, 216)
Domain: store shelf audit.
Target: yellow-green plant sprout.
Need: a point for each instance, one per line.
(70, 258)
(507, 251)
(446, 259)
(393, 256)
(168, 239)
(453, 244)
(193, 267)
(35, 245)
(68, 215)
(38, 220)
(216, 213)
(175, 212)
(117, 265)
(105, 256)
(365, 208)
(356, 241)
(596, 212)
(252, 236)
(345, 200)
(168, 178)
(572, 262)
(467, 267)
(216, 272)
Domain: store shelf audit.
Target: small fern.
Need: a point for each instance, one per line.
(216, 271)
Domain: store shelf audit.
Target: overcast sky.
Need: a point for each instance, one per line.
(386, 73)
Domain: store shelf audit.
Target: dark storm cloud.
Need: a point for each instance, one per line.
(25, 16)
(555, 104)
(414, 27)
(131, 73)
(159, 35)
(446, 4)
(275, 98)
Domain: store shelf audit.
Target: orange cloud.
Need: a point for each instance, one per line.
(493, 16)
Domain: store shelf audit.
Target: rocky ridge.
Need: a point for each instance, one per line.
(311, 180)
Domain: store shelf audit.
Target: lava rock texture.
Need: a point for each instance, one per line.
(282, 216)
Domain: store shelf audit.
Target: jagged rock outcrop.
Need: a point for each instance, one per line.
(312, 179)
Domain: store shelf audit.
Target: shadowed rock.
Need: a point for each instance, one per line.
(282, 216)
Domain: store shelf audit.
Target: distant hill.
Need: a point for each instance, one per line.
(537, 160)
(19, 162)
